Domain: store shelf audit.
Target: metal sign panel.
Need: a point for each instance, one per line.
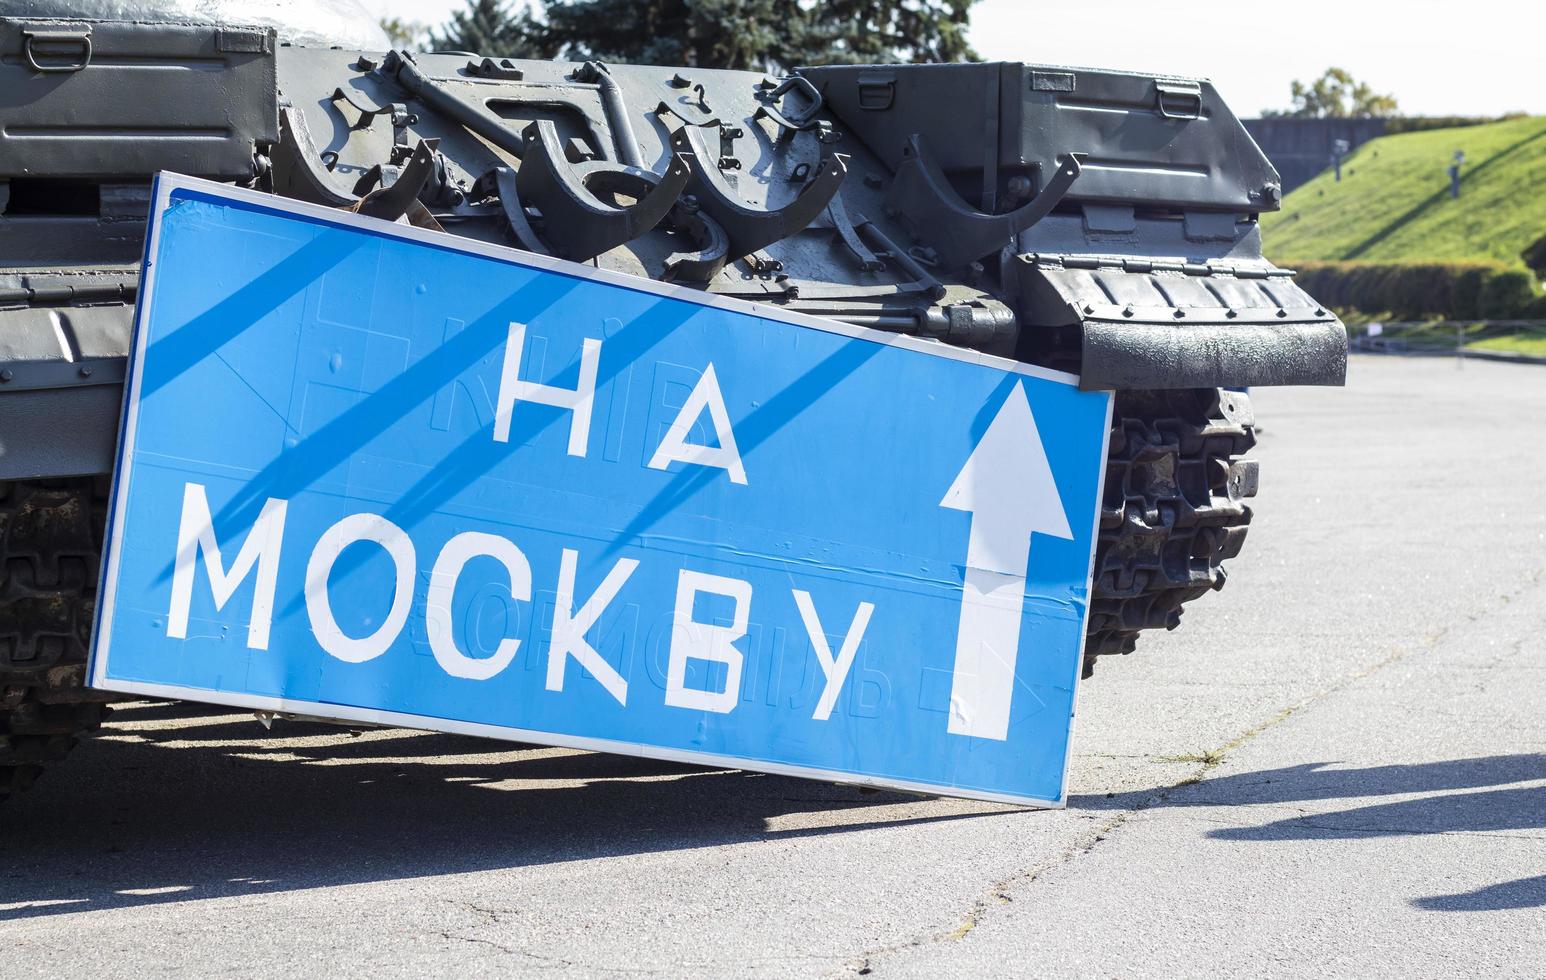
(374, 473)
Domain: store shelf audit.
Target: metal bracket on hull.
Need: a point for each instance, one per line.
(921, 195)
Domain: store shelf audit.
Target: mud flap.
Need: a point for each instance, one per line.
(1155, 324)
(1203, 355)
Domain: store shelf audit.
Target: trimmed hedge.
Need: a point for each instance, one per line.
(1535, 256)
(1417, 290)
(1418, 124)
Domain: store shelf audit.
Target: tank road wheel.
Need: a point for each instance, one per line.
(50, 543)
(1174, 509)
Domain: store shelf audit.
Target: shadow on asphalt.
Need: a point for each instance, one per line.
(1498, 805)
(130, 823)
(1526, 893)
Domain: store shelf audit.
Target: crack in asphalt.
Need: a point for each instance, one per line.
(548, 962)
(493, 917)
(492, 914)
(998, 893)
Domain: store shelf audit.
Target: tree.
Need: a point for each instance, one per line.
(488, 27)
(1337, 95)
(866, 32)
(403, 33)
(710, 33)
(747, 34)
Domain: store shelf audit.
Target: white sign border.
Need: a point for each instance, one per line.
(166, 183)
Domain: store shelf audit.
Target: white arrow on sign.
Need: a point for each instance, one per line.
(1008, 488)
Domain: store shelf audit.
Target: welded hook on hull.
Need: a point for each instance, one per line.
(575, 222)
(921, 194)
(697, 264)
(750, 228)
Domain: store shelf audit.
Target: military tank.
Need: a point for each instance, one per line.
(1099, 222)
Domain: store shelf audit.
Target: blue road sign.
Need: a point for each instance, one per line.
(374, 473)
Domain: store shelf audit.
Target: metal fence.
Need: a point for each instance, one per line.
(1500, 339)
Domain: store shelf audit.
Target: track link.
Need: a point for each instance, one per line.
(1173, 510)
(50, 544)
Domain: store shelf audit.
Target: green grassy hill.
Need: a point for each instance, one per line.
(1393, 203)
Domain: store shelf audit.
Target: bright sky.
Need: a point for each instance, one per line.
(1438, 57)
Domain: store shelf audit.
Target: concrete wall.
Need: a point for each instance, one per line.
(1301, 148)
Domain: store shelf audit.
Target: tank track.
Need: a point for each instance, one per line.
(50, 543)
(1173, 510)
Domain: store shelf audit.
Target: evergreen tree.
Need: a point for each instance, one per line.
(749, 34)
(488, 27)
(869, 31)
(708, 33)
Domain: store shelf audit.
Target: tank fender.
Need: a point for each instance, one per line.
(1142, 323)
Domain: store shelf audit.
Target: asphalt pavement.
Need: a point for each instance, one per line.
(1336, 765)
